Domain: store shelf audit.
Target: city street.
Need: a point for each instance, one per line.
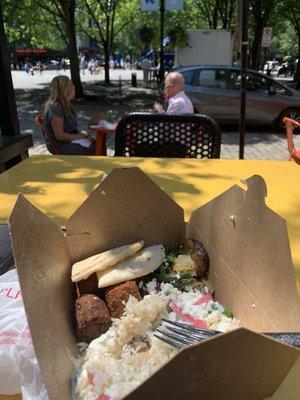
(32, 92)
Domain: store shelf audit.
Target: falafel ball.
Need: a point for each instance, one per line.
(116, 297)
(92, 317)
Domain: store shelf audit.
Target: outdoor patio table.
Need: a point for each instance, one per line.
(100, 148)
(59, 184)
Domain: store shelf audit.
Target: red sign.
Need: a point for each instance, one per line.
(29, 51)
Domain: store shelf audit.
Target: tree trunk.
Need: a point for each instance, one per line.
(106, 63)
(215, 17)
(107, 49)
(256, 46)
(72, 48)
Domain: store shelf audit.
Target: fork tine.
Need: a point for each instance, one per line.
(170, 342)
(189, 335)
(190, 328)
(180, 335)
(179, 339)
(185, 335)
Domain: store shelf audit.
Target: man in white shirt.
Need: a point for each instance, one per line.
(179, 103)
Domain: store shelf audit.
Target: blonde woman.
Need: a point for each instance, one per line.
(61, 122)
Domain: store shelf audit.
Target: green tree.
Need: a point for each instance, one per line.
(262, 13)
(62, 13)
(291, 11)
(146, 34)
(178, 36)
(23, 27)
(284, 42)
(101, 23)
(217, 13)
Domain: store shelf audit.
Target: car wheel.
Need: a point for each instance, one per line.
(293, 113)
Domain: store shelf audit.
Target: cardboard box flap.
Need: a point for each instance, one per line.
(43, 264)
(251, 265)
(237, 365)
(125, 207)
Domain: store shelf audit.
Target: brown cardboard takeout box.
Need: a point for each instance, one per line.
(251, 271)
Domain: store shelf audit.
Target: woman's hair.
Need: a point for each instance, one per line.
(59, 85)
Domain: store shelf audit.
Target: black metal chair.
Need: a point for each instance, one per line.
(168, 136)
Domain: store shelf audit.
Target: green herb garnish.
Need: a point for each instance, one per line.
(227, 313)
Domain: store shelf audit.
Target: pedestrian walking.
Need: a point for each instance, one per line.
(146, 65)
(83, 64)
(63, 63)
(91, 66)
(40, 67)
(111, 63)
(27, 67)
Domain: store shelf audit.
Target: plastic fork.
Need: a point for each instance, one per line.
(180, 335)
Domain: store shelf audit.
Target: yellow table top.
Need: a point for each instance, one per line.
(59, 184)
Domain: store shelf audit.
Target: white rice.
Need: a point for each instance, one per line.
(128, 353)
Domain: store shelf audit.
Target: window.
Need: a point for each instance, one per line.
(275, 88)
(214, 78)
(258, 84)
(207, 78)
(254, 83)
(188, 77)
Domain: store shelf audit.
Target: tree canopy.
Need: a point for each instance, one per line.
(119, 26)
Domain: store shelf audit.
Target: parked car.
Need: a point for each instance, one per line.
(215, 91)
(286, 69)
(271, 65)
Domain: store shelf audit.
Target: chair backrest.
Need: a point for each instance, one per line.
(167, 136)
(39, 120)
(290, 124)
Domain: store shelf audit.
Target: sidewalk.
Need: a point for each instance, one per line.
(258, 144)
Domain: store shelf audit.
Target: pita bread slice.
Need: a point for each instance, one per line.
(99, 262)
(142, 263)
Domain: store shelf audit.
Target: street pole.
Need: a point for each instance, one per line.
(244, 46)
(161, 55)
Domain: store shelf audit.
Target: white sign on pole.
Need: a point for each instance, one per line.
(266, 38)
(174, 5)
(149, 5)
